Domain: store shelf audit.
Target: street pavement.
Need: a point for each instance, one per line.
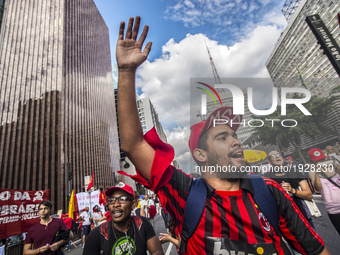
(325, 228)
(322, 224)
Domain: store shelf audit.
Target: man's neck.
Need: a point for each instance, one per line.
(224, 184)
(45, 220)
(123, 226)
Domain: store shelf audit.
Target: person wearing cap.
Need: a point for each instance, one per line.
(324, 183)
(292, 180)
(124, 234)
(230, 221)
(86, 219)
(290, 161)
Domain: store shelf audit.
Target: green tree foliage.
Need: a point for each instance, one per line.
(274, 133)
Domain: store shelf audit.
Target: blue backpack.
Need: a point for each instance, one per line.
(196, 201)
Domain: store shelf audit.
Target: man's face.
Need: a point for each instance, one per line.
(290, 161)
(44, 211)
(87, 209)
(120, 211)
(224, 149)
(275, 158)
(146, 197)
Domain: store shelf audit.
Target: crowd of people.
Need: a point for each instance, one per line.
(213, 213)
(127, 225)
(234, 217)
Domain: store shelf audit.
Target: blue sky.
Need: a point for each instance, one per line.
(240, 36)
(225, 21)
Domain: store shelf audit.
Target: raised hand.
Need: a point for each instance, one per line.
(129, 52)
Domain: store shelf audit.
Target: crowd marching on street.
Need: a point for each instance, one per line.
(268, 212)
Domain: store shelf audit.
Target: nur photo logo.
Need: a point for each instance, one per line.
(240, 98)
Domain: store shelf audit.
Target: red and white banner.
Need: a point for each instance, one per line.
(19, 210)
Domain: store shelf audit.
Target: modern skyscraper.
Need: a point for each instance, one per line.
(297, 48)
(56, 98)
(149, 117)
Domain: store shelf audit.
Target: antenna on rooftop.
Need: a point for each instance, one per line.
(216, 77)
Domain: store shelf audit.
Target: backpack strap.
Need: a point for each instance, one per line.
(265, 200)
(196, 202)
(329, 179)
(193, 211)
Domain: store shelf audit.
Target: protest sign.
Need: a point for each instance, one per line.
(19, 210)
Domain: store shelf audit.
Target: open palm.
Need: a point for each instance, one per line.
(129, 52)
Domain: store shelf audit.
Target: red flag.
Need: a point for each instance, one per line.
(76, 209)
(91, 183)
(102, 198)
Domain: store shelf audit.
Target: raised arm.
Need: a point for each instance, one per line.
(129, 56)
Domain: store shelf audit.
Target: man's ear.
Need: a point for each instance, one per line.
(200, 155)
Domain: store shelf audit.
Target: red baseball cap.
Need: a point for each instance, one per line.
(289, 158)
(120, 186)
(316, 154)
(224, 113)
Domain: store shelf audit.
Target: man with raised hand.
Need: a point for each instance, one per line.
(230, 221)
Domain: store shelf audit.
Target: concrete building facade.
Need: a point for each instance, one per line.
(56, 98)
(297, 48)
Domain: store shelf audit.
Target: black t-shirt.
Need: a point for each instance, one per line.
(294, 179)
(102, 240)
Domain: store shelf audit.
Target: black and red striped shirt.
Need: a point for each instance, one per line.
(231, 220)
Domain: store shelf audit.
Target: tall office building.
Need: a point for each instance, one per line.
(56, 98)
(297, 48)
(149, 117)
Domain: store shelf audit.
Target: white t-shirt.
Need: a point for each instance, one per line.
(86, 216)
(96, 215)
(148, 203)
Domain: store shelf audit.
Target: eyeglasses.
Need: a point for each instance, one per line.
(121, 199)
(276, 155)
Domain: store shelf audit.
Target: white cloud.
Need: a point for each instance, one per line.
(166, 80)
(178, 138)
(196, 13)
